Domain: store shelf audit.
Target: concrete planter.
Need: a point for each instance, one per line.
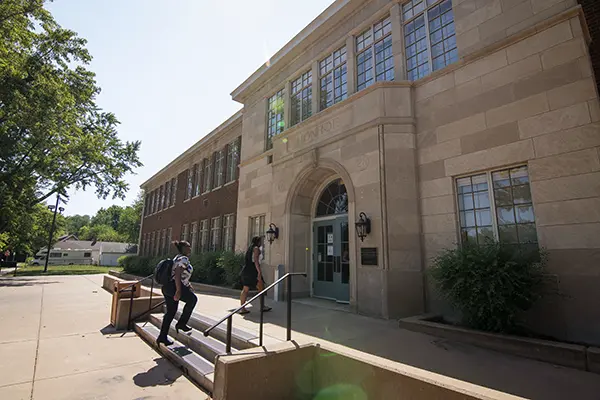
(557, 353)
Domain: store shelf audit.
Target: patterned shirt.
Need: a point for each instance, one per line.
(186, 269)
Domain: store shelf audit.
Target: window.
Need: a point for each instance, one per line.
(169, 238)
(374, 51)
(429, 36)
(173, 191)
(185, 230)
(257, 227)
(65, 254)
(152, 202)
(55, 255)
(228, 231)
(152, 239)
(147, 205)
(161, 201)
(198, 180)
(86, 255)
(165, 245)
(168, 194)
(333, 200)
(190, 184)
(194, 242)
(157, 250)
(215, 234)
(333, 74)
(204, 235)
(301, 98)
(219, 168)
(275, 122)
(207, 175)
(504, 212)
(233, 160)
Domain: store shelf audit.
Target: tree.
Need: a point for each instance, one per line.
(76, 222)
(52, 133)
(101, 233)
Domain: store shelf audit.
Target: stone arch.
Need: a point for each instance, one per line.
(300, 208)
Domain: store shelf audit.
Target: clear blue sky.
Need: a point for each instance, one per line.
(167, 68)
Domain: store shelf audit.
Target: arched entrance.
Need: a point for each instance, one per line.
(322, 195)
(331, 244)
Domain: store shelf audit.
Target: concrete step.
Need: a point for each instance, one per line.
(195, 366)
(207, 347)
(240, 339)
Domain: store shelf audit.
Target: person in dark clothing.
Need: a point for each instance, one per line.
(179, 288)
(251, 273)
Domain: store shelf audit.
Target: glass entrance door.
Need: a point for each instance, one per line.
(331, 264)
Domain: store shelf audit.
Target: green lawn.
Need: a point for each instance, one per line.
(64, 270)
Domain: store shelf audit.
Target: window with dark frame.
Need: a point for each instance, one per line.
(198, 180)
(497, 205)
(275, 117)
(219, 168)
(168, 194)
(207, 174)
(173, 191)
(333, 72)
(429, 36)
(215, 234)
(301, 98)
(233, 160)
(190, 184)
(374, 57)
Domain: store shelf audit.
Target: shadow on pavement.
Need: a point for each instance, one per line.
(162, 374)
(16, 282)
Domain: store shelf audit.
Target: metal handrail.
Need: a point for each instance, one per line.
(136, 282)
(261, 295)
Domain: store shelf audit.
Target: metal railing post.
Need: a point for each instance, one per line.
(228, 341)
(289, 309)
(130, 307)
(262, 307)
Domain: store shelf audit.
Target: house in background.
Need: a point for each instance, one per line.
(103, 253)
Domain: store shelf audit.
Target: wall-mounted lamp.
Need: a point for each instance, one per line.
(363, 226)
(272, 233)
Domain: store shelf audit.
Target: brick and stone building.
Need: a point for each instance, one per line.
(194, 198)
(442, 121)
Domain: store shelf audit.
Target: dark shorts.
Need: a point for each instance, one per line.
(250, 280)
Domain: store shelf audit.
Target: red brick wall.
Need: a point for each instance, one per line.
(591, 8)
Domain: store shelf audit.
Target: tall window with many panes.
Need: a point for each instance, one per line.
(233, 160)
(215, 233)
(275, 122)
(194, 242)
(333, 76)
(219, 168)
(173, 191)
(204, 235)
(497, 205)
(374, 57)
(429, 36)
(301, 98)
(190, 184)
(257, 227)
(207, 174)
(198, 180)
(228, 231)
(185, 231)
(168, 194)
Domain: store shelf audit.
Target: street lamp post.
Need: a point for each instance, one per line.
(55, 208)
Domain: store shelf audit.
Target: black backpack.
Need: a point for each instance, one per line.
(163, 271)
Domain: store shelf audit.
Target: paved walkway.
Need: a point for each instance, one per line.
(55, 344)
(313, 321)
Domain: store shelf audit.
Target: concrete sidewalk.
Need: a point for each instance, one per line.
(55, 343)
(314, 321)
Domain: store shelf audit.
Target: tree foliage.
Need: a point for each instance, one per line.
(53, 135)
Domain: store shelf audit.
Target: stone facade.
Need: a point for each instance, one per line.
(172, 218)
(517, 99)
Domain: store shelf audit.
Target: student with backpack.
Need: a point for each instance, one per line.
(175, 276)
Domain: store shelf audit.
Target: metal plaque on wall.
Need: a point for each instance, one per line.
(368, 256)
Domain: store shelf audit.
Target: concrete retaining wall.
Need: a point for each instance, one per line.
(291, 371)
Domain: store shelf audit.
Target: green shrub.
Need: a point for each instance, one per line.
(138, 265)
(231, 263)
(490, 284)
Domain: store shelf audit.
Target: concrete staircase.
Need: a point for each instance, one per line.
(192, 351)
